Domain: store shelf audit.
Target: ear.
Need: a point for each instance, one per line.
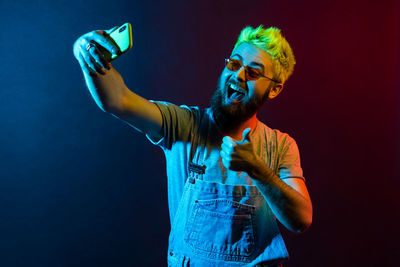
(275, 90)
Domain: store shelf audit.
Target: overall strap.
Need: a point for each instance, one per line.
(196, 167)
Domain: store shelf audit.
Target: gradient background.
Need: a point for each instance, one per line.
(80, 188)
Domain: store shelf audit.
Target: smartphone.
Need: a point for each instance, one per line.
(122, 36)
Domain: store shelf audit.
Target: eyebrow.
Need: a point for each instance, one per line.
(251, 63)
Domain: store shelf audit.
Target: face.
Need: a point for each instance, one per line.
(238, 99)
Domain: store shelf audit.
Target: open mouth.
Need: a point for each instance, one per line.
(235, 93)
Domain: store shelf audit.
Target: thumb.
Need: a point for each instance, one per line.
(111, 30)
(245, 134)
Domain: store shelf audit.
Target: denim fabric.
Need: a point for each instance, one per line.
(223, 225)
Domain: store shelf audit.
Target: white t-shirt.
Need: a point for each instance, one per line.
(181, 126)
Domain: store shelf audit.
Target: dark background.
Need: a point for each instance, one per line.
(81, 188)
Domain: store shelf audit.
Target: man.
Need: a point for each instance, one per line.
(229, 175)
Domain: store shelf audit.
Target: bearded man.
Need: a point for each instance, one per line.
(230, 176)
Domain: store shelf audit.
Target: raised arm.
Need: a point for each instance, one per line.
(107, 86)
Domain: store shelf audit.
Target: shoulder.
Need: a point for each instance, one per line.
(275, 135)
(180, 112)
(169, 105)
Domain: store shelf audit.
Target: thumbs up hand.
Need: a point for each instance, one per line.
(245, 136)
(239, 155)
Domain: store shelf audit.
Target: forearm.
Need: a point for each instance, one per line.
(108, 90)
(291, 208)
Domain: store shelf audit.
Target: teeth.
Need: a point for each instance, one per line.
(237, 88)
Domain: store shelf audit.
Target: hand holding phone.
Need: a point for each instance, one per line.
(94, 50)
(122, 37)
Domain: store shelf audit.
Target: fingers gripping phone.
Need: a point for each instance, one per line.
(122, 37)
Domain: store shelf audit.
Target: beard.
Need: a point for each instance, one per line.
(230, 117)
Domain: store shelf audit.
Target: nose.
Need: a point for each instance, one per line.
(241, 74)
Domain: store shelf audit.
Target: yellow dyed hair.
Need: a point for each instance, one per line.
(271, 41)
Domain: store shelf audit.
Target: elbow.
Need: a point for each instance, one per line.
(306, 219)
(303, 226)
(299, 227)
(304, 222)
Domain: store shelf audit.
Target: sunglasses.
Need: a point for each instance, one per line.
(251, 73)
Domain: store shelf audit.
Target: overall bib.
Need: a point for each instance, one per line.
(220, 224)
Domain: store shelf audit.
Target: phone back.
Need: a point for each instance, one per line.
(122, 36)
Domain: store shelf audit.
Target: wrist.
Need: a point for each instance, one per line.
(257, 171)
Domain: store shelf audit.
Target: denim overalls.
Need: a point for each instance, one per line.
(222, 225)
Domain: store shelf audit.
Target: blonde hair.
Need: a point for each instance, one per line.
(271, 41)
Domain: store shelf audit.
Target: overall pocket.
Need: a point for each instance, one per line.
(221, 229)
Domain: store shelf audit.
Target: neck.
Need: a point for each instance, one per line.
(237, 132)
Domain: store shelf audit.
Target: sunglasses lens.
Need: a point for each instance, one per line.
(233, 65)
(252, 73)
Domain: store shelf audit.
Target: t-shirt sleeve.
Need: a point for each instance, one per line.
(178, 123)
(289, 164)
